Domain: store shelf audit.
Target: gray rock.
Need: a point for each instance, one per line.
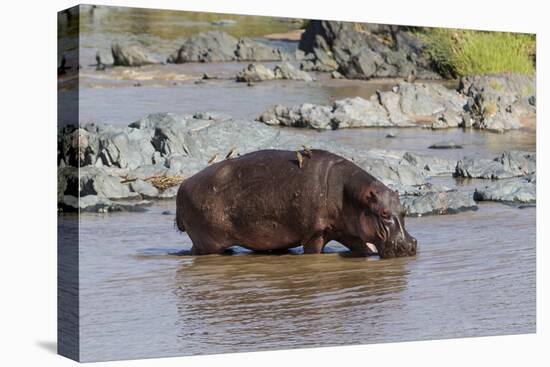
(363, 65)
(245, 136)
(422, 190)
(320, 59)
(324, 60)
(518, 162)
(304, 115)
(309, 65)
(100, 146)
(336, 75)
(209, 116)
(446, 145)
(425, 102)
(144, 188)
(97, 204)
(408, 104)
(90, 203)
(248, 50)
(155, 120)
(438, 203)
(169, 193)
(215, 46)
(481, 168)
(391, 172)
(392, 104)
(433, 165)
(518, 191)
(358, 112)
(124, 148)
(146, 171)
(134, 55)
(259, 72)
(178, 137)
(171, 145)
(255, 73)
(363, 51)
(381, 110)
(448, 119)
(500, 102)
(76, 146)
(206, 47)
(289, 72)
(96, 189)
(185, 166)
(96, 181)
(508, 164)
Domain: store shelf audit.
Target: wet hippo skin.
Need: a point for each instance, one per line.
(276, 199)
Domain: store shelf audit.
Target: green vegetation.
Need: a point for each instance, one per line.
(457, 52)
(489, 109)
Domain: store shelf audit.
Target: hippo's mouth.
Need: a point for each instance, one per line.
(371, 248)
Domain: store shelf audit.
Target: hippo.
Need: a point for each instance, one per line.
(268, 201)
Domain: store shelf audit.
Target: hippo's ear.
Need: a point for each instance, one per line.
(362, 193)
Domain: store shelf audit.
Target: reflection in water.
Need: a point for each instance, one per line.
(263, 301)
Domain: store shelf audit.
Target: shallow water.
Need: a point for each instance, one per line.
(474, 275)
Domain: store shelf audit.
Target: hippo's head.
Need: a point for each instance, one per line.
(377, 218)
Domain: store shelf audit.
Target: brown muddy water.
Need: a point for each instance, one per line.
(474, 274)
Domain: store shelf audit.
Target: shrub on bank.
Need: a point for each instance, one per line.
(457, 52)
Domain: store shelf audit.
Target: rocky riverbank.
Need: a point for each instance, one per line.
(111, 169)
(283, 71)
(491, 102)
(346, 49)
(119, 167)
(363, 50)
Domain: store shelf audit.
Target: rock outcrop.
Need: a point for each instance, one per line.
(508, 164)
(517, 191)
(423, 104)
(363, 51)
(438, 203)
(134, 55)
(215, 46)
(407, 105)
(500, 102)
(119, 167)
(259, 73)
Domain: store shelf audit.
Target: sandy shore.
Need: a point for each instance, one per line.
(293, 35)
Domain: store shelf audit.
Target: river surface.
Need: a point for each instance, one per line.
(474, 274)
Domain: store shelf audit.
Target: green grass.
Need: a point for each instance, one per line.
(489, 109)
(458, 52)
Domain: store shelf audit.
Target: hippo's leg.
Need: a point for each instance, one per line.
(356, 246)
(205, 246)
(315, 245)
(206, 250)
